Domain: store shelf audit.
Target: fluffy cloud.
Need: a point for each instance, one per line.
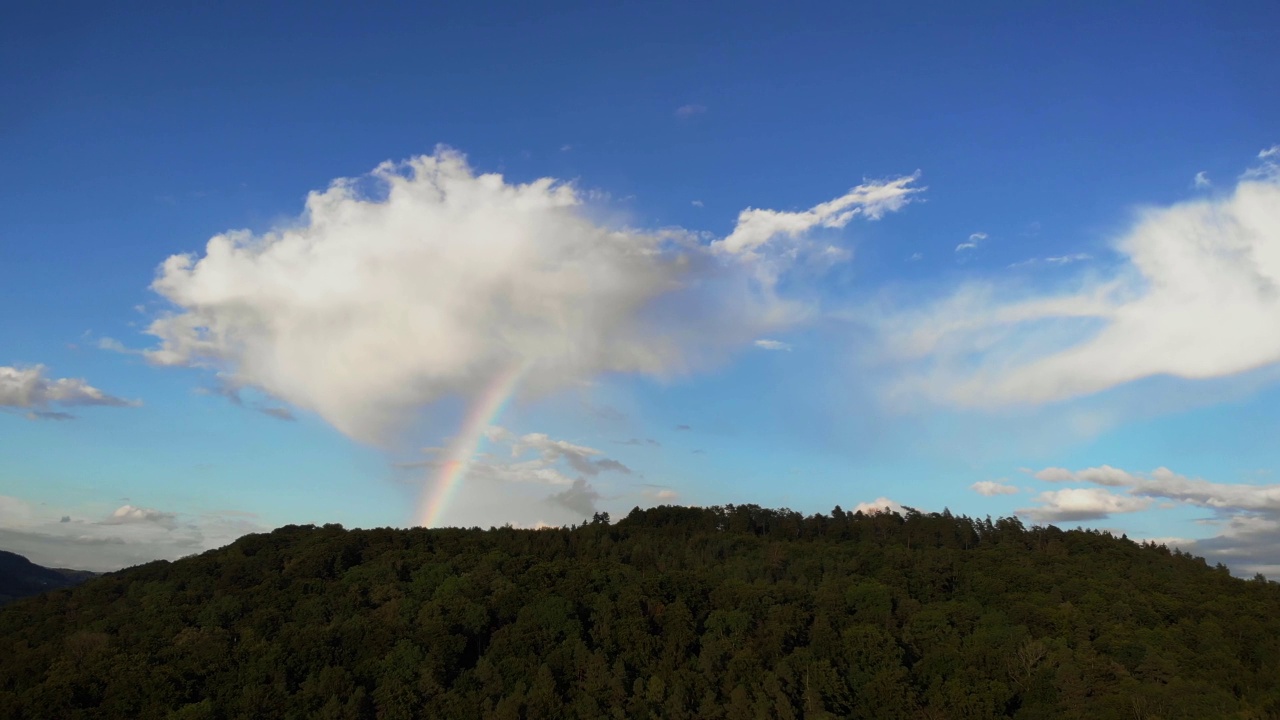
(29, 389)
(992, 487)
(1201, 180)
(1073, 504)
(101, 541)
(1104, 475)
(879, 505)
(127, 514)
(426, 279)
(579, 498)
(1196, 295)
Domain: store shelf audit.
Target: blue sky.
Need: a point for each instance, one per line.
(1110, 168)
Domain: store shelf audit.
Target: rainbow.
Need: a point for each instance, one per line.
(487, 408)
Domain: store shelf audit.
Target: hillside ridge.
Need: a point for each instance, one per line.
(727, 612)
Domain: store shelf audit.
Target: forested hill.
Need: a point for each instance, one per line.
(19, 577)
(735, 612)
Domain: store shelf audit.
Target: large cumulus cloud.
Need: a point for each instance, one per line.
(427, 279)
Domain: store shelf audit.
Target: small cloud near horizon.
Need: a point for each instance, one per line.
(767, 344)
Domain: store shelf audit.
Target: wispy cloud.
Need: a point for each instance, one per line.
(1196, 295)
(1201, 180)
(1057, 260)
(972, 242)
(637, 441)
(766, 344)
(687, 111)
(532, 458)
(231, 389)
(279, 413)
(871, 200)
(1247, 515)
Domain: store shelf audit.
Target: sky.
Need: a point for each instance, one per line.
(481, 265)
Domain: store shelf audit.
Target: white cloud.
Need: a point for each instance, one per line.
(1057, 260)
(28, 388)
(1074, 504)
(1248, 515)
(1202, 180)
(913, 257)
(1196, 296)
(1104, 475)
(992, 487)
(688, 111)
(1166, 484)
(871, 200)
(532, 458)
(582, 459)
(435, 281)
(127, 514)
(972, 242)
(766, 344)
(92, 539)
(697, 203)
(879, 505)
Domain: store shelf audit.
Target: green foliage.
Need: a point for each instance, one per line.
(732, 612)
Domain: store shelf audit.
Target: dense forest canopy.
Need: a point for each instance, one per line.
(731, 612)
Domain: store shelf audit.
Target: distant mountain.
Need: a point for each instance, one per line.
(19, 577)
(709, 613)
